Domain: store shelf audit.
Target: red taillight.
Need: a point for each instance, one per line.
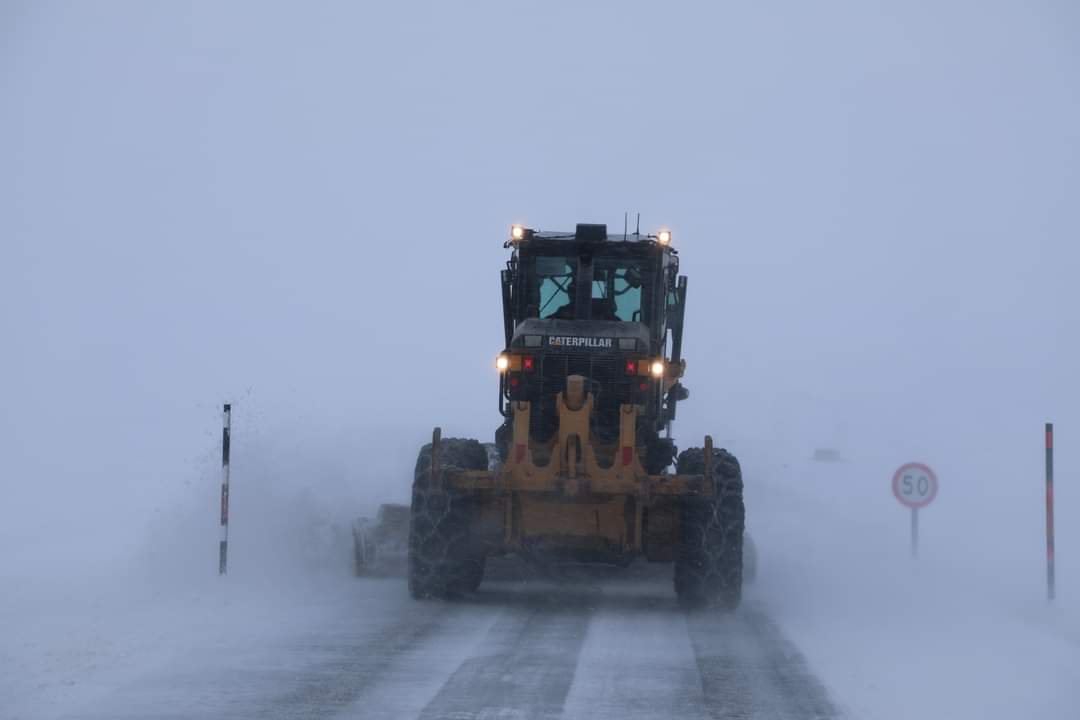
(528, 364)
(631, 367)
(643, 386)
(627, 455)
(514, 381)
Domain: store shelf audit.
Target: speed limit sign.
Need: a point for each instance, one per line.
(915, 485)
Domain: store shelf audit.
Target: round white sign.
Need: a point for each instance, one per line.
(915, 485)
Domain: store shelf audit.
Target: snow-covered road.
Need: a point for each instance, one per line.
(840, 622)
(571, 647)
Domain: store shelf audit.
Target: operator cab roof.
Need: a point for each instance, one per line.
(586, 233)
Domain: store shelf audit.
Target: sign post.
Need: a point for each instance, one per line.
(915, 486)
(914, 532)
(1049, 511)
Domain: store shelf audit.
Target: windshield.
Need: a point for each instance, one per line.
(617, 292)
(616, 289)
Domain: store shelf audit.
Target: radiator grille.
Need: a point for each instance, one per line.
(606, 380)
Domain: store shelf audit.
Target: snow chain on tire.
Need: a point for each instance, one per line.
(441, 563)
(709, 555)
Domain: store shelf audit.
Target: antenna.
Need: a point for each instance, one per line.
(638, 230)
(625, 216)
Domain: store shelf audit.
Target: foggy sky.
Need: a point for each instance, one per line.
(301, 208)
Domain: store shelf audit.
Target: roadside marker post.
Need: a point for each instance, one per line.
(915, 486)
(1050, 589)
(226, 431)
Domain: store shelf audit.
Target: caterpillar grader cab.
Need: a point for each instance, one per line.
(589, 380)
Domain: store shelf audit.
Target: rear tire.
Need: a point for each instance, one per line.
(709, 552)
(440, 562)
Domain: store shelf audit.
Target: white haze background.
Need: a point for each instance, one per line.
(300, 209)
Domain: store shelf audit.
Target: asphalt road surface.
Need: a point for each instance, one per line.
(568, 645)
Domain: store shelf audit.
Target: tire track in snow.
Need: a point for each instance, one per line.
(749, 670)
(525, 665)
(355, 663)
(637, 662)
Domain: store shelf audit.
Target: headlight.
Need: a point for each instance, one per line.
(517, 233)
(657, 368)
(664, 237)
(502, 363)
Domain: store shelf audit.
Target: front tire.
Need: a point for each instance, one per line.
(709, 552)
(440, 562)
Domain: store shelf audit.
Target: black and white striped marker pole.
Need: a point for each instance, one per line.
(223, 548)
(1049, 511)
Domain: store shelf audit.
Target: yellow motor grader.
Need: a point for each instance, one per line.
(589, 380)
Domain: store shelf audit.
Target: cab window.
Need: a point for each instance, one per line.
(617, 290)
(550, 287)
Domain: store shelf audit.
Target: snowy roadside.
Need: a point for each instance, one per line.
(954, 634)
(70, 646)
(905, 649)
(87, 612)
(81, 623)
